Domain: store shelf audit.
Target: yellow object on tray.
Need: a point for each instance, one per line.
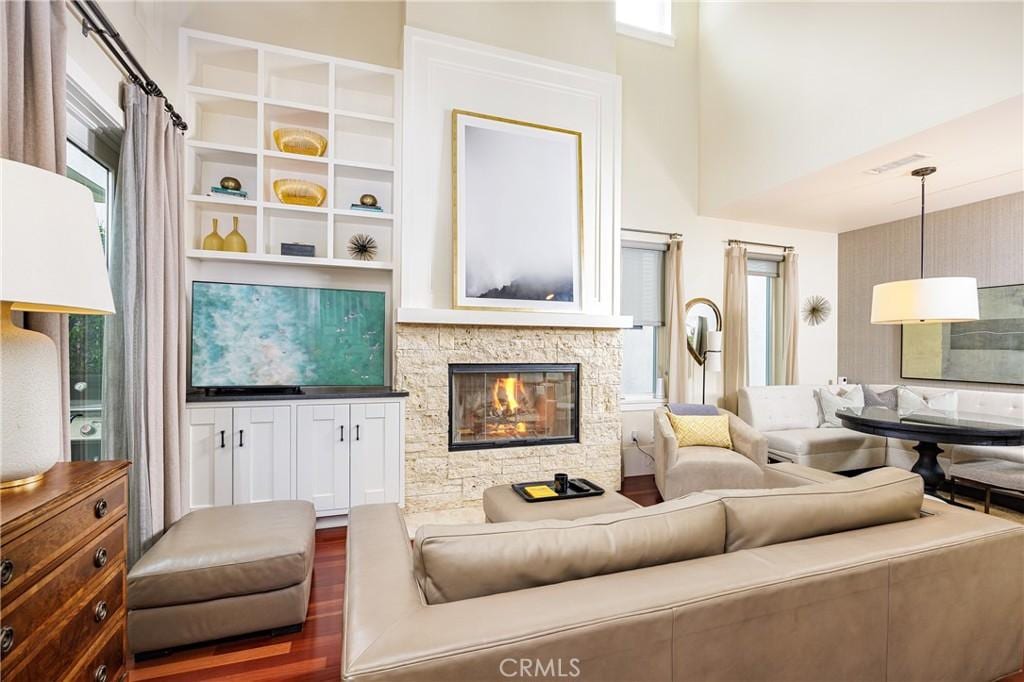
(538, 491)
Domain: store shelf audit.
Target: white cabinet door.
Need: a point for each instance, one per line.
(262, 443)
(209, 457)
(376, 452)
(323, 437)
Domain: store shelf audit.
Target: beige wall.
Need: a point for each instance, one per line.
(661, 150)
(365, 31)
(983, 240)
(788, 88)
(580, 33)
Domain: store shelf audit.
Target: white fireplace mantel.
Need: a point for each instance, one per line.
(501, 318)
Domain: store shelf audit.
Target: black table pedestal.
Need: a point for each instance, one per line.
(927, 467)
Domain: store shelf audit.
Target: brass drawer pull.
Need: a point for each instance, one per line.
(101, 508)
(6, 571)
(101, 674)
(100, 612)
(6, 639)
(99, 560)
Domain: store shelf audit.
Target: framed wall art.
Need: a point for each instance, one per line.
(517, 215)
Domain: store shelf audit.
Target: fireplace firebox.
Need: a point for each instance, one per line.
(510, 405)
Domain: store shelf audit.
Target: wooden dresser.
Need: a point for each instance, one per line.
(63, 543)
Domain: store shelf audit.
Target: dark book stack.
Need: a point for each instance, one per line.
(371, 209)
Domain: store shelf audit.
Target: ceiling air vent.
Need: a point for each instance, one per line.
(886, 167)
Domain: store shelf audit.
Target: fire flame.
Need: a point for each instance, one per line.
(510, 385)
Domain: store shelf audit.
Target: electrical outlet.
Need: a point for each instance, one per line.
(634, 436)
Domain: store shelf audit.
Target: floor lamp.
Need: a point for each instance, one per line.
(712, 361)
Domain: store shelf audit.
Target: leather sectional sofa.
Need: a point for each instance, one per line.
(789, 418)
(817, 577)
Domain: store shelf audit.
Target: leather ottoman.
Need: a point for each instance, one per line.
(221, 572)
(501, 503)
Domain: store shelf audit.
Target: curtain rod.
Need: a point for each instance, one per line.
(774, 246)
(670, 235)
(95, 21)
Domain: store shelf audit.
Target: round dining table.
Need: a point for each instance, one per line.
(931, 427)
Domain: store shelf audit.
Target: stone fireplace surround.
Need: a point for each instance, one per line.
(436, 479)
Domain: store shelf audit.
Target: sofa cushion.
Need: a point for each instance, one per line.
(878, 398)
(775, 408)
(755, 518)
(967, 453)
(801, 442)
(225, 552)
(830, 403)
(454, 562)
(693, 430)
(910, 400)
(703, 467)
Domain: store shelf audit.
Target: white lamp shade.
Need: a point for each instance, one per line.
(51, 256)
(713, 361)
(922, 301)
(714, 341)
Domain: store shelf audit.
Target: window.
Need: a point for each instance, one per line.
(642, 297)
(762, 277)
(645, 19)
(85, 332)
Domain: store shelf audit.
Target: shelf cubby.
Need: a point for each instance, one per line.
(359, 140)
(223, 66)
(277, 116)
(350, 183)
(210, 163)
(368, 92)
(224, 120)
(205, 212)
(279, 168)
(290, 78)
(283, 225)
(346, 227)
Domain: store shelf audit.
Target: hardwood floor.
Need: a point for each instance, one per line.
(313, 654)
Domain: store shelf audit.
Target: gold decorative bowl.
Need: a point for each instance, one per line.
(299, 192)
(300, 141)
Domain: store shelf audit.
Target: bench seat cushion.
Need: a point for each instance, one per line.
(802, 442)
(224, 552)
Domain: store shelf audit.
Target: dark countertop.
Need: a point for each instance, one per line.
(317, 393)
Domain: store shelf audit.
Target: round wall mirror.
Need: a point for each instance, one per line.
(702, 316)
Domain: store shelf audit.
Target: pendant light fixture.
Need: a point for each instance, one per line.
(928, 299)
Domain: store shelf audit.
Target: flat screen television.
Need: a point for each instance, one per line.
(254, 335)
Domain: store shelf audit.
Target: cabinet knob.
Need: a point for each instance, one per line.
(101, 508)
(6, 639)
(99, 559)
(101, 674)
(100, 612)
(6, 571)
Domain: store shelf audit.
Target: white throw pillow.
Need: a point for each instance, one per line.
(909, 401)
(830, 402)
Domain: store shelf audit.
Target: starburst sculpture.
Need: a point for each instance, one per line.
(362, 247)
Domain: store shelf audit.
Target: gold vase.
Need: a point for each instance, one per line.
(234, 241)
(213, 241)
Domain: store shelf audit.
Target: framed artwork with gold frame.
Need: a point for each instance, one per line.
(517, 215)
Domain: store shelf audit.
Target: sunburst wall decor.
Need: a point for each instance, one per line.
(816, 310)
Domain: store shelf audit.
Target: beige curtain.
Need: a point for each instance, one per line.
(32, 129)
(675, 323)
(144, 344)
(734, 326)
(786, 360)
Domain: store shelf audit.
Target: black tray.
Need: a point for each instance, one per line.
(578, 487)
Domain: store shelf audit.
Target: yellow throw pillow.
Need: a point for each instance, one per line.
(701, 430)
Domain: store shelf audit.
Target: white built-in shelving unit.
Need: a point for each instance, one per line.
(237, 93)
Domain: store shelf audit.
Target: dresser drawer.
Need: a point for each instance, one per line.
(107, 664)
(23, 558)
(22, 618)
(93, 617)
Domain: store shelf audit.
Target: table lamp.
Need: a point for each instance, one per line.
(712, 360)
(52, 261)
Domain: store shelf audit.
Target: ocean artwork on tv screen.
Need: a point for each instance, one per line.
(259, 335)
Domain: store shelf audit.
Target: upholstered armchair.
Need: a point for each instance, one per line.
(678, 471)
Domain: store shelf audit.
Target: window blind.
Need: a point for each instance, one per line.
(643, 285)
(765, 267)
